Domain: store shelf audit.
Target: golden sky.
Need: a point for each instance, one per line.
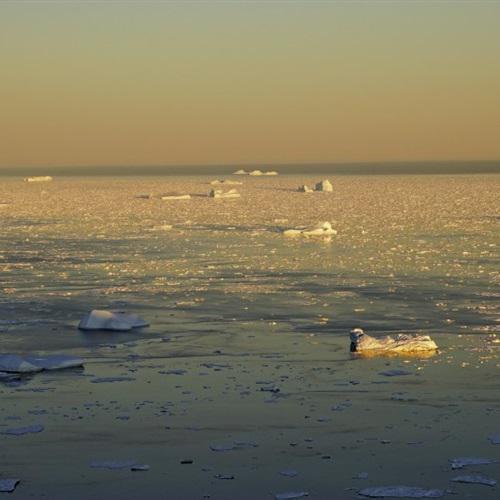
(223, 82)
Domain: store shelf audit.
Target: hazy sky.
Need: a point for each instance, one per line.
(164, 82)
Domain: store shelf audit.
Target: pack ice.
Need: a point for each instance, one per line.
(11, 363)
(360, 342)
(321, 229)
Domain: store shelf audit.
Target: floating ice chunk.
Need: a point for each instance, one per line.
(222, 447)
(218, 193)
(8, 485)
(16, 364)
(305, 189)
(105, 380)
(360, 342)
(55, 362)
(114, 464)
(240, 172)
(175, 196)
(321, 229)
(38, 178)
(19, 431)
(140, 468)
(120, 321)
(291, 494)
(271, 172)
(224, 476)
(400, 492)
(256, 172)
(395, 373)
(324, 185)
(289, 473)
(225, 181)
(495, 439)
(475, 479)
(460, 463)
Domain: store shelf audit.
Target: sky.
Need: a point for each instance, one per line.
(248, 82)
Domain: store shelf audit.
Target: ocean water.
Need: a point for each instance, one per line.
(239, 306)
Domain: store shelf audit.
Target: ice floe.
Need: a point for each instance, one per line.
(117, 464)
(119, 321)
(218, 193)
(400, 492)
(8, 485)
(38, 178)
(175, 196)
(474, 479)
(495, 439)
(360, 343)
(321, 229)
(288, 495)
(20, 431)
(460, 463)
(11, 363)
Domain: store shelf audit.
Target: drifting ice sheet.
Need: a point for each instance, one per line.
(119, 321)
(400, 492)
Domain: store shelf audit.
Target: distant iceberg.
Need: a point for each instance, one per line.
(240, 172)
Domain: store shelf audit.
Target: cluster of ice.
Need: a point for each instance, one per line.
(175, 196)
(218, 193)
(38, 178)
(360, 342)
(321, 229)
(400, 492)
(119, 321)
(255, 172)
(324, 185)
(11, 363)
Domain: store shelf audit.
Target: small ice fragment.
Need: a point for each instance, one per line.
(460, 463)
(19, 431)
(395, 373)
(104, 380)
(224, 476)
(291, 494)
(245, 444)
(176, 196)
(289, 472)
(361, 475)
(320, 229)
(114, 464)
(495, 439)
(140, 468)
(218, 193)
(55, 362)
(362, 343)
(222, 447)
(120, 321)
(400, 492)
(324, 185)
(38, 178)
(475, 479)
(8, 485)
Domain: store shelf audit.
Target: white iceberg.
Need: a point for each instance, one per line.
(256, 172)
(324, 185)
(218, 193)
(321, 229)
(360, 342)
(240, 172)
(271, 172)
(38, 178)
(119, 321)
